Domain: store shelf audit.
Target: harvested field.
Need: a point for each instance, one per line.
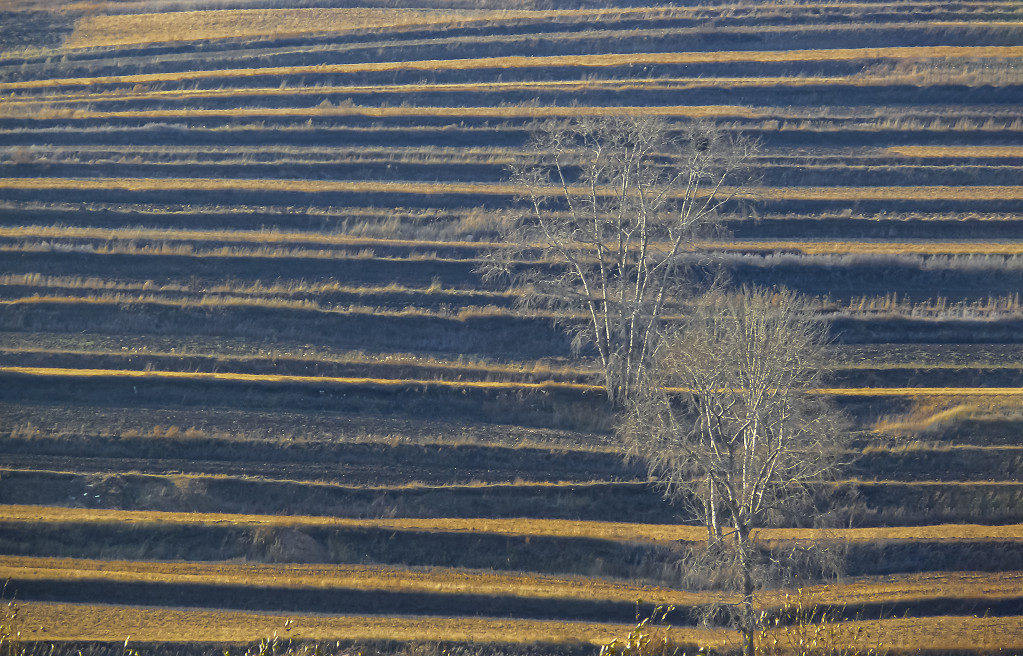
(109, 623)
(582, 61)
(153, 625)
(178, 26)
(890, 589)
(939, 151)
(992, 192)
(253, 380)
(518, 527)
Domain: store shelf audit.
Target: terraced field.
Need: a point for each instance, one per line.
(250, 380)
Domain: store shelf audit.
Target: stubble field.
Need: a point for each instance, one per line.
(250, 380)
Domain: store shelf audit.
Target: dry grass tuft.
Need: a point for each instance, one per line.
(931, 413)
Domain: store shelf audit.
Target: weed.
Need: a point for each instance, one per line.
(10, 633)
(650, 637)
(805, 627)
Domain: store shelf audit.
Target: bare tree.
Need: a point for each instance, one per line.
(729, 424)
(615, 206)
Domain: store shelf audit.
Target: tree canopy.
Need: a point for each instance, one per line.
(614, 207)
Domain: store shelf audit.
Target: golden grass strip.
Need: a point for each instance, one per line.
(922, 586)
(461, 384)
(521, 527)
(957, 151)
(1014, 392)
(446, 580)
(62, 622)
(274, 237)
(231, 236)
(991, 392)
(462, 368)
(924, 192)
(563, 86)
(938, 634)
(517, 62)
(115, 623)
(434, 580)
(139, 28)
(276, 378)
(264, 184)
(301, 305)
(510, 111)
(115, 30)
(873, 248)
(150, 27)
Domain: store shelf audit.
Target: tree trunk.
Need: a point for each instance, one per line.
(747, 614)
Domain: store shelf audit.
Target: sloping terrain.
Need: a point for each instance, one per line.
(250, 380)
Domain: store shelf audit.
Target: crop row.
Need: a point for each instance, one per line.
(99, 622)
(111, 623)
(283, 154)
(895, 589)
(538, 63)
(452, 590)
(240, 486)
(461, 224)
(468, 128)
(411, 383)
(283, 186)
(772, 174)
(878, 284)
(543, 38)
(408, 368)
(212, 242)
(513, 527)
(880, 357)
(728, 98)
(132, 28)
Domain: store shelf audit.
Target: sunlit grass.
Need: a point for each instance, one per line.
(446, 580)
(439, 580)
(615, 531)
(306, 238)
(148, 624)
(513, 62)
(879, 247)
(957, 151)
(921, 192)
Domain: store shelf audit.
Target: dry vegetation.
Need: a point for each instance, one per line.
(139, 234)
(148, 624)
(888, 589)
(317, 380)
(519, 526)
(929, 192)
(513, 62)
(196, 182)
(391, 579)
(110, 30)
(957, 151)
(103, 30)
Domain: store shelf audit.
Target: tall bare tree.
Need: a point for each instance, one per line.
(614, 208)
(729, 424)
